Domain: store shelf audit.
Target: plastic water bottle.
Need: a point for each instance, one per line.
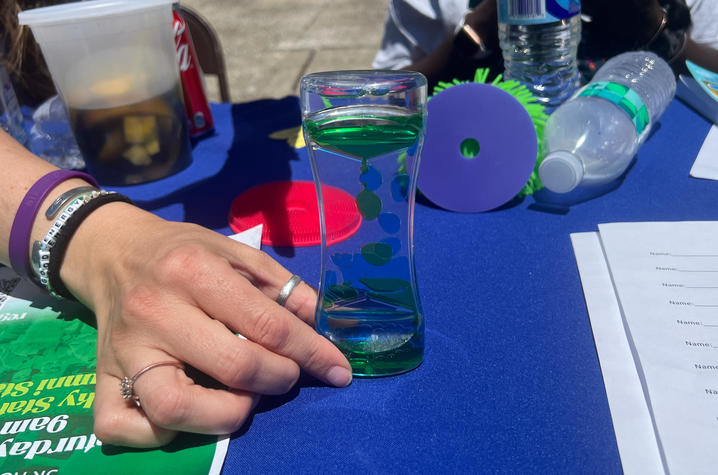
(539, 40)
(592, 138)
(51, 136)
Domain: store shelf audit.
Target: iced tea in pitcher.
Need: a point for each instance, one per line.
(136, 142)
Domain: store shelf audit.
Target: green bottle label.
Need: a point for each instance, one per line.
(624, 97)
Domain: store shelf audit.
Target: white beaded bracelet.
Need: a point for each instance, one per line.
(40, 257)
(49, 253)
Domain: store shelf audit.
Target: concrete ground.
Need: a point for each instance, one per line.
(270, 44)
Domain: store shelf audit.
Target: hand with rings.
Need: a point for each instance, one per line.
(169, 296)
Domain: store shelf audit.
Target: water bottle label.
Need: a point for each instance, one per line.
(529, 12)
(624, 97)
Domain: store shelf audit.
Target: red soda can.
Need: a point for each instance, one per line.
(196, 106)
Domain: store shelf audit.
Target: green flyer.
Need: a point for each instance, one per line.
(47, 387)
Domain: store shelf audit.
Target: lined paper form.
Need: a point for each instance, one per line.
(632, 421)
(665, 278)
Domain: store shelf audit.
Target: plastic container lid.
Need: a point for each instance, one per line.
(290, 213)
(505, 139)
(561, 171)
(70, 12)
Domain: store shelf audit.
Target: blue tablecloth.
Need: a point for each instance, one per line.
(511, 381)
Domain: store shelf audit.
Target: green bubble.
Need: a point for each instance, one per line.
(342, 291)
(385, 284)
(369, 204)
(376, 253)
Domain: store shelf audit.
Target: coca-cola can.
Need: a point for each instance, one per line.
(196, 105)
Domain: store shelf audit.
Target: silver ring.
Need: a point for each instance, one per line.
(287, 289)
(127, 385)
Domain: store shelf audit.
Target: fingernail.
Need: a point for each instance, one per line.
(339, 376)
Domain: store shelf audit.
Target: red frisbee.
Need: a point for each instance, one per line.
(290, 213)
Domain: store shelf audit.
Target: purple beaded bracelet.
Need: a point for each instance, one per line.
(19, 243)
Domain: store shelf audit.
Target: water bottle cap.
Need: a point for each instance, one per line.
(561, 171)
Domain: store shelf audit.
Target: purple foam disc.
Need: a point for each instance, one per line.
(502, 131)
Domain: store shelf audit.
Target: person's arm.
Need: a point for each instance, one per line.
(646, 25)
(482, 19)
(703, 55)
(164, 291)
(662, 20)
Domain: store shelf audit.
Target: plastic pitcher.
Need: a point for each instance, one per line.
(114, 64)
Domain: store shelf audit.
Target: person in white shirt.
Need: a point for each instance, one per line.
(426, 35)
(704, 15)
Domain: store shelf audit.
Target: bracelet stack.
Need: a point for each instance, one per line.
(71, 208)
(19, 245)
(47, 255)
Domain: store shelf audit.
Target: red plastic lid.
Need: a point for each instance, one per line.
(290, 213)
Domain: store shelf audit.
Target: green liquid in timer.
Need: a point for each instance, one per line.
(369, 310)
(364, 131)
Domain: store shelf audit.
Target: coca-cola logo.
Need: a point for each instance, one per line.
(181, 45)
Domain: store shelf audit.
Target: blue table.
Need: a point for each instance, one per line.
(511, 381)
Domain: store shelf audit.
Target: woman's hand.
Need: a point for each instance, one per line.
(166, 291)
